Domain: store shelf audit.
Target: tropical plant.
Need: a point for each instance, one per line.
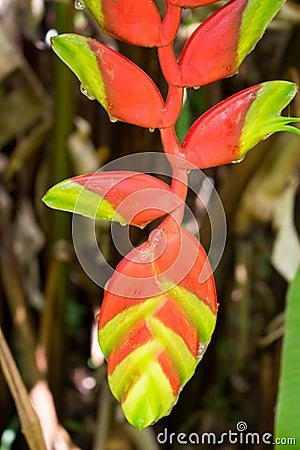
(160, 305)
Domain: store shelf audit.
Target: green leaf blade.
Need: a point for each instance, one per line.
(72, 197)
(74, 50)
(256, 17)
(288, 405)
(263, 117)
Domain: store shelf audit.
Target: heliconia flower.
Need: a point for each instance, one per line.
(191, 3)
(120, 196)
(154, 330)
(230, 129)
(122, 88)
(219, 45)
(136, 22)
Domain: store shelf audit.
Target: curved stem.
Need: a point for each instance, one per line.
(172, 74)
(180, 168)
(173, 106)
(179, 184)
(169, 65)
(170, 24)
(180, 188)
(173, 149)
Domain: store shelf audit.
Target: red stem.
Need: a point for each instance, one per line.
(180, 168)
(169, 65)
(180, 188)
(170, 25)
(173, 106)
(173, 149)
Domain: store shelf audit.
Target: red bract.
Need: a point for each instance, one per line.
(126, 197)
(229, 130)
(152, 312)
(214, 139)
(218, 38)
(219, 45)
(131, 94)
(123, 89)
(140, 20)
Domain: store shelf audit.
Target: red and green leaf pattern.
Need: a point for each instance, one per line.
(125, 197)
(227, 131)
(156, 321)
(225, 39)
(122, 88)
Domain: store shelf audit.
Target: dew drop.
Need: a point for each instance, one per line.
(78, 4)
(113, 119)
(201, 349)
(151, 130)
(228, 68)
(196, 88)
(237, 161)
(85, 92)
(267, 136)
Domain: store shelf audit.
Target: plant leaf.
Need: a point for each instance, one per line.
(230, 129)
(156, 321)
(287, 410)
(136, 22)
(125, 197)
(122, 88)
(225, 39)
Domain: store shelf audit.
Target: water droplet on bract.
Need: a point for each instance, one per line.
(78, 4)
(196, 88)
(85, 92)
(228, 68)
(237, 161)
(201, 349)
(113, 119)
(267, 136)
(151, 130)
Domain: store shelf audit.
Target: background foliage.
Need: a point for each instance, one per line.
(49, 131)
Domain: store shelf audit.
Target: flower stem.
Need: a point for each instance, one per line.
(170, 24)
(169, 65)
